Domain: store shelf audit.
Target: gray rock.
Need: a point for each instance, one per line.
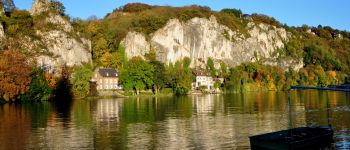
(64, 50)
(39, 6)
(201, 38)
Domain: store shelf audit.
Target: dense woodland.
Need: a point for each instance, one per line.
(325, 52)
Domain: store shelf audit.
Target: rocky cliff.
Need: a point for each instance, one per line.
(39, 6)
(201, 38)
(61, 48)
(2, 33)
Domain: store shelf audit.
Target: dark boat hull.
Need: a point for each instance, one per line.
(296, 138)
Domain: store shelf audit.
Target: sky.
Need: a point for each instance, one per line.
(334, 13)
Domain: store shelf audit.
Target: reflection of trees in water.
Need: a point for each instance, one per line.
(15, 127)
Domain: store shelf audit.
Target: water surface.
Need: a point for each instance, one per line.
(192, 122)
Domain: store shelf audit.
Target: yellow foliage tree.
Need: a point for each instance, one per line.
(15, 75)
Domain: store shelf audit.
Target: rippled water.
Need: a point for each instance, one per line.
(193, 122)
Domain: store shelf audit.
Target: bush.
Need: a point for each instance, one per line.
(39, 89)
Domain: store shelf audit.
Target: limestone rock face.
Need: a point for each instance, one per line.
(136, 44)
(201, 38)
(39, 6)
(61, 22)
(61, 49)
(64, 50)
(2, 32)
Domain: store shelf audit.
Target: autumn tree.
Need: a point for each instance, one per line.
(15, 75)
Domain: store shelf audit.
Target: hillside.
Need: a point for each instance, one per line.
(315, 56)
(38, 51)
(163, 45)
(45, 36)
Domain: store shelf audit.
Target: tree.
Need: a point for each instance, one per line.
(137, 75)
(57, 7)
(39, 89)
(211, 67)
(136, 7)
(81, 80)
(151, 56)
(8, 5)
(19, 23)
(159, 76)
(217, 84)
(223, 71)
(234, 12)
(180, 76)
(15, 75)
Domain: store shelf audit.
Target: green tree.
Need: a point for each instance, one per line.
(19, 23)
(210, 67)
(159, 76)
(39, 89)
(81, 80)
(57, 7)
(180, 76)
(137, 75)
(235, 12)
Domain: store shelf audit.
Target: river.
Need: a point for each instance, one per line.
(191, 122)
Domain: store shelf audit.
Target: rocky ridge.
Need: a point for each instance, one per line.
(201, 38)
(63, 48)
(39, 6)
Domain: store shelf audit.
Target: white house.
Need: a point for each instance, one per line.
(203, 79)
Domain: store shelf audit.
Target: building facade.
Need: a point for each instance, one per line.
(204, 80)
(106, 79)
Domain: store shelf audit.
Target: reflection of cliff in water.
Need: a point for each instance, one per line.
(63, 98)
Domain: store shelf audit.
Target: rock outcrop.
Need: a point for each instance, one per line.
(201, 38)
(64, 50)
(39, 6)
(2, 32)
(61, 49)
(8, 5)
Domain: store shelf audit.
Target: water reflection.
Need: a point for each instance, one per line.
(193, 122)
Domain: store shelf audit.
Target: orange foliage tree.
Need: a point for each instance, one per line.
(14, 75)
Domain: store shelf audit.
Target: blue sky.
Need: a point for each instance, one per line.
(334, 13)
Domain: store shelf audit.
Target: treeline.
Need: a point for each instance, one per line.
(21, 80)
(140, 74)
(259, 77)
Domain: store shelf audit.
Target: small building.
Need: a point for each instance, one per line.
(106, 79)
(203, 79)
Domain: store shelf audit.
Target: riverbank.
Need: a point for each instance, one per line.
(343, 88)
